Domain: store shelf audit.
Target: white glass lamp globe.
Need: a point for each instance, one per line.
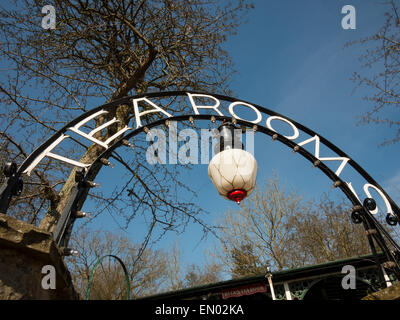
(233, 173)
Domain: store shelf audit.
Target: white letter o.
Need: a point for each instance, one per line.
(259, 117)
(296, 131)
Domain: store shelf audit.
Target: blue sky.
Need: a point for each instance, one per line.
(290, 57)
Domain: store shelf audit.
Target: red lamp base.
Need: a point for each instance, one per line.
(237, 195)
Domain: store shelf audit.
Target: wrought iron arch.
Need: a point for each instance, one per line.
(128, 283)
(361, 211)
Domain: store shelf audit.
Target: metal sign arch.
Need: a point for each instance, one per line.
(33, 157)
(126, 133)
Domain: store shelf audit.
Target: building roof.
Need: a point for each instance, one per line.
(290, 275)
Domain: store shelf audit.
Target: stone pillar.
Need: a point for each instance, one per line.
(24, 251)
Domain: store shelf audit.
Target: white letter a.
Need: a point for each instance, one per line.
(349, 280)
(49, 20)
(349, 20)
(49, 280)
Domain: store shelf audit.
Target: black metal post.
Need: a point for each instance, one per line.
(373, 233)
(65, 223)
(12, 186)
